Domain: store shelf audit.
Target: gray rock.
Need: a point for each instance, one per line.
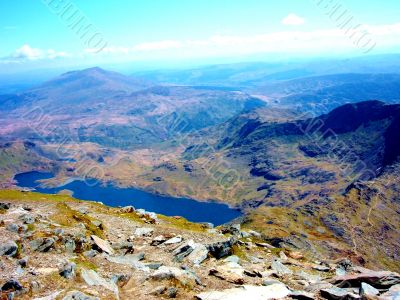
(274, 291)
(127, 246)
(23, 262)
(144, 231)
(301, 295)
(368, 290)
(4, 206)
(117, 278)
(77, 295)
(12, 285)
(97, 223)
(184, 277)
(35, 286)
(59, 231)
(281, 269)
(335, 293)
(378, 279)
(208, 225)
(90, 253)
(92, 278)
(129, 259)
(70, 245)
(172, 292)
(175, 240)
(308, 277)
(102, 245)
(154, 265)
(83, 210)
(321, 268)
(158, 290)
(128, 209)
(9, 248)
(198, 255)
(67, 270)
(27, 219)
(392, 294)
(13, 227)
(181, 252)
(267, 282)
(222, 249)
(158, 240)
(233, 259)
(42, 244)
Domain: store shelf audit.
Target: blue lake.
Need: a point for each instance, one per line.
(111, 195)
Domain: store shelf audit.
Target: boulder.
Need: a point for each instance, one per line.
(295, 255)
(230, 271)
(4, 206)
(171, 292)
(77, 295)
(184, 250)
(184, 277)
(392, 294)
(23, 262)
(67, 270)
(9, 248)
(280, 268)
(42, 244)
(378, 279)
(198, 255)
(368, 290)
(102, 245)
(335, 293)
(222, 249)
(144, 231)
(13, 227)
(265, 245)
(90, 253)
(27, 219)
(175, 240)
(127, 246)
(97, 223)
(158, 240)
(158, 290)
(130, 259)
(69, 245)
(128, 209)
(273, 291)
(92, 278)
(301, 295)
(11, 286)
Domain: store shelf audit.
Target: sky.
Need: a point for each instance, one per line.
(73, 33)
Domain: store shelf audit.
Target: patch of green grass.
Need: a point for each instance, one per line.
(182, 223)
(67, 216)
(83, 263)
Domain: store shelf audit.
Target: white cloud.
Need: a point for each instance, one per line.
(290, 41)
(28, 53)
(292, 20)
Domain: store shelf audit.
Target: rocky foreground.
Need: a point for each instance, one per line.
(56, 247)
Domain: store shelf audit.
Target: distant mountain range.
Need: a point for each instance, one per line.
(254, 74)
(116, 110)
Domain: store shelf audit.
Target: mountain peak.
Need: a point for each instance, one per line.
(94, 80)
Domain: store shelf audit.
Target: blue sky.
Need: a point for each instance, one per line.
(33, 34)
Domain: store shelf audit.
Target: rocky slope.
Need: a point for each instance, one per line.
(56, 247)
